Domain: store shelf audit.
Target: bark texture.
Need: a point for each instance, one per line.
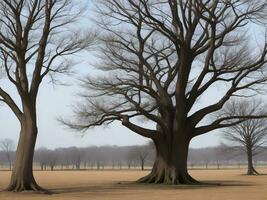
(22, 178)
(170, 166)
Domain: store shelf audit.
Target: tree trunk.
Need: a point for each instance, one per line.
(142, 165)
(251, 169)
(78, 166)
(10, 165)
(170, 166)
(22, 178)
(218, 165)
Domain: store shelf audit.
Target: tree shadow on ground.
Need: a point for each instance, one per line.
(254, 175)
(133, 187)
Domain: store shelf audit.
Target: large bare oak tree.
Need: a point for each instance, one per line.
(250, 136)
(35, 38)
(158, 58)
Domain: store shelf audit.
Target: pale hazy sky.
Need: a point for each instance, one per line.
(56, 101)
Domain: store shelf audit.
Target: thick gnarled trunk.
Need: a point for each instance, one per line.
(22, 178)
(170, 166)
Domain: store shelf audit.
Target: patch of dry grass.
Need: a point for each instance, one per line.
(119, 185)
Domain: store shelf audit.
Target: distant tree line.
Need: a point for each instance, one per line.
(130, 157)
(105, 157)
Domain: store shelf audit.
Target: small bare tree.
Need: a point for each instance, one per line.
(8, 146)
(250, 136)
(36, 36)
(75, 156)
(47, 157)
(52, 159)
(141, 153)
(40, 157)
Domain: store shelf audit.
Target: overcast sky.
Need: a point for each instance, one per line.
(56, 101)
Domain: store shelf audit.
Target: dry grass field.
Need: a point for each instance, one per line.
(119, 185)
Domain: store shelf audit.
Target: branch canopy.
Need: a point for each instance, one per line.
(157, 59)
(37, 39)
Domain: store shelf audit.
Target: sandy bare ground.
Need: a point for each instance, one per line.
(118, 185)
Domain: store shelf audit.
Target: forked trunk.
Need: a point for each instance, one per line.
(22, 178)
(170, 166)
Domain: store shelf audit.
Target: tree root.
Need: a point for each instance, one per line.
(168, 177)
(252, 172)
(21, 186)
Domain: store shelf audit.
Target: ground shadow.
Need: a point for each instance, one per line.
(254, 175)
(133, 187)
(261, 174)
(41, 192)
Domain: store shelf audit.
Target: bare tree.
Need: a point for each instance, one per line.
(217, 153)
(75, 156)
(141, 153)
(52, 159)
(35, 39)
(40, 157)
(130, 159)
(7, 146)
(159, 58)
(47, 157)
(249, 136)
